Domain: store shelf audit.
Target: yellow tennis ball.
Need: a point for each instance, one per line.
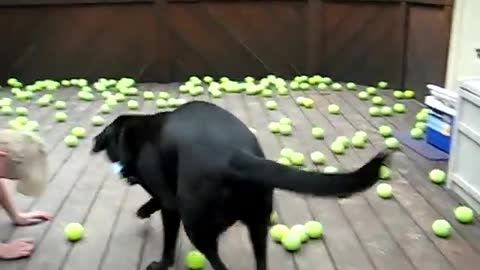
(74, 231)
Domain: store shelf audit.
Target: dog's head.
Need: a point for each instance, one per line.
(110, 138)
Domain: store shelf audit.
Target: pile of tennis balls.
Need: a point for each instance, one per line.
(292, 238)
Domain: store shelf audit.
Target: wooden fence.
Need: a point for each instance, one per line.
(404, 42)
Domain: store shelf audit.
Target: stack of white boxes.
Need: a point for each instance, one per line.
(463, 177)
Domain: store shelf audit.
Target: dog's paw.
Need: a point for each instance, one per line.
(157, 266)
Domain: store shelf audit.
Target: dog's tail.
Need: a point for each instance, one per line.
(247, 167)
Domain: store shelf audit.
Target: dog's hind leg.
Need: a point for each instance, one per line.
(206, 242)
(171, 227)
(148, 208)
(258, 232)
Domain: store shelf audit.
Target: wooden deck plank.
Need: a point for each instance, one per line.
(292, 208)
(424, 215)
(372, 232)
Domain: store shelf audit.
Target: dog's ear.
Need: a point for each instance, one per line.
(108, 134)
(100, 141)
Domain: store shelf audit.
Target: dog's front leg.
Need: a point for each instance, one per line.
(153, 180)
(171, 227)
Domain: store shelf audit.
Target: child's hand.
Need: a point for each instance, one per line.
(31, 218)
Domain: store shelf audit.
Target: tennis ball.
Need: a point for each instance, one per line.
(71, 141)
(207, 79)
(330, 169)
(78, 132)
(409, 93)
(317, 157)
(278, 231)
(299, 100)
(351, 85)
(382, 84)
(385, 131)
(274, 127)
(392, 143)
(300, 230)
(286, 152)
(60, 105)
(333, 109)
(336, 86)
(344, 140)
(105, 108)
(422, 116)
(327, 80)
(284, 161)
(97, 120)
(161, 103)
(464, 214)
(43, 102)
(363, 134)
(285, 121)
(285, 130)
(363, 95)
(437, 176)
(421, 125)
(358, 141)
(386, 111)
(441, 228)
(416, 133)
(86, 89)
(216, 93)
(297, 159)
(32, 125)
(398, 94)
(22, 111)
(399, 108)
(5, 102)
(6, 110)
(132, 105)
(267, 93)
(385, 173)
(384, 191)
(322, 86)
(22, 120)
(111, 101)
(318, 132)
(179, 102)
(163, 95)
(60, 116)
(308, 102)
(271, 105)
(74, 231)
(314, 229)
(148, 95)
(371, 90)
(374, 111)
(377, 100)
(195, 260)
(304, 86)
(291, 241)
(283, 91)
(337, 147)
(119, 97)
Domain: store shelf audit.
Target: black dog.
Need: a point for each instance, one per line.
(204, 167)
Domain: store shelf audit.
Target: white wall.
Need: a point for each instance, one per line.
(465, 38)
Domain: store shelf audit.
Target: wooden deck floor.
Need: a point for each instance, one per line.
(361, 233)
